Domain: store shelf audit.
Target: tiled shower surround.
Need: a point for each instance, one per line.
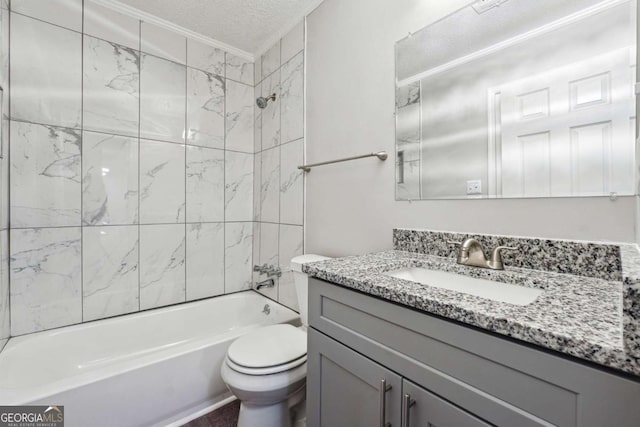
(278, 191)
(5, 329)
(132, 167)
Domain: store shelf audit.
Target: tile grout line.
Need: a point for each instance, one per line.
(262, 170)
(253, 180)
(139, 212)
(304, 129)
(185, 138)
(224, 179)
(259, 212)
(24, 15)
(8, 173)
(286, 143)
(147, 223)
(281, 63)
(81, 165)
(279, 170)
(124, 135)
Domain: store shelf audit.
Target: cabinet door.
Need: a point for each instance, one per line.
(345, 389)
(424, 409)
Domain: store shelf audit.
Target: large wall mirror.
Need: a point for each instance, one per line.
(518, 98)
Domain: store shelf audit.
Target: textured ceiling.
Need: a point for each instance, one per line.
(244, 24)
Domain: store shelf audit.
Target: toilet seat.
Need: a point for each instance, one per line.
(268, 370)
(268, 350)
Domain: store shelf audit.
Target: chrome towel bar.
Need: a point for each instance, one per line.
(382, 155)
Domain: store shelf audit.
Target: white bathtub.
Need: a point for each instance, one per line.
(147, 369)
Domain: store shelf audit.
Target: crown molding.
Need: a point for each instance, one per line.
(155, 20)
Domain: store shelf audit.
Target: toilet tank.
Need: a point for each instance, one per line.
(302, 282)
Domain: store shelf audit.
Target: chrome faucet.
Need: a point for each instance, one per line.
(471, 253)
(269, 270)
(269, 283)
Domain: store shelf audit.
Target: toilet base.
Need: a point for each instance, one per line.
(288, 413)
(277, 415)
(299, 413)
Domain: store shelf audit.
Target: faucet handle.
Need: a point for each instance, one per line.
(273, 271)
(496, 257)
(458, 244)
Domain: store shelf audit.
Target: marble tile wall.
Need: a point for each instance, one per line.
(132, 157)
(5, 317)
(279, 145)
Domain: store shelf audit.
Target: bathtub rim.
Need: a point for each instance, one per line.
(143, 313)
(21, 396)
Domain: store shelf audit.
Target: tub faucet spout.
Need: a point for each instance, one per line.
(269, 283)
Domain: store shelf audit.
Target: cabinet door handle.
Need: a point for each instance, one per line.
(384, 388)
(407, 403)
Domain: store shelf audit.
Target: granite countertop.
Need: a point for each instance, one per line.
(575, 315)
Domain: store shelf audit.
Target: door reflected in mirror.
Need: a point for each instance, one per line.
(526, 99)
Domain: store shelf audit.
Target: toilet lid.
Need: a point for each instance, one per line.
(268, 346)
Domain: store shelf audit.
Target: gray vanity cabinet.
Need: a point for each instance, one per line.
(457, 375)
(355, 392)
(421, 408)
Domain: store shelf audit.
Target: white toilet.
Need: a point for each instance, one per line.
(267, 368)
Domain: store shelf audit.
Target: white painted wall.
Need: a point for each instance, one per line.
(637, 201)
(351, 207)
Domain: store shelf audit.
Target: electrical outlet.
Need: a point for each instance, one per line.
(474, 187)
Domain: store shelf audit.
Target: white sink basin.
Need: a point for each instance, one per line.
(503, 292)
